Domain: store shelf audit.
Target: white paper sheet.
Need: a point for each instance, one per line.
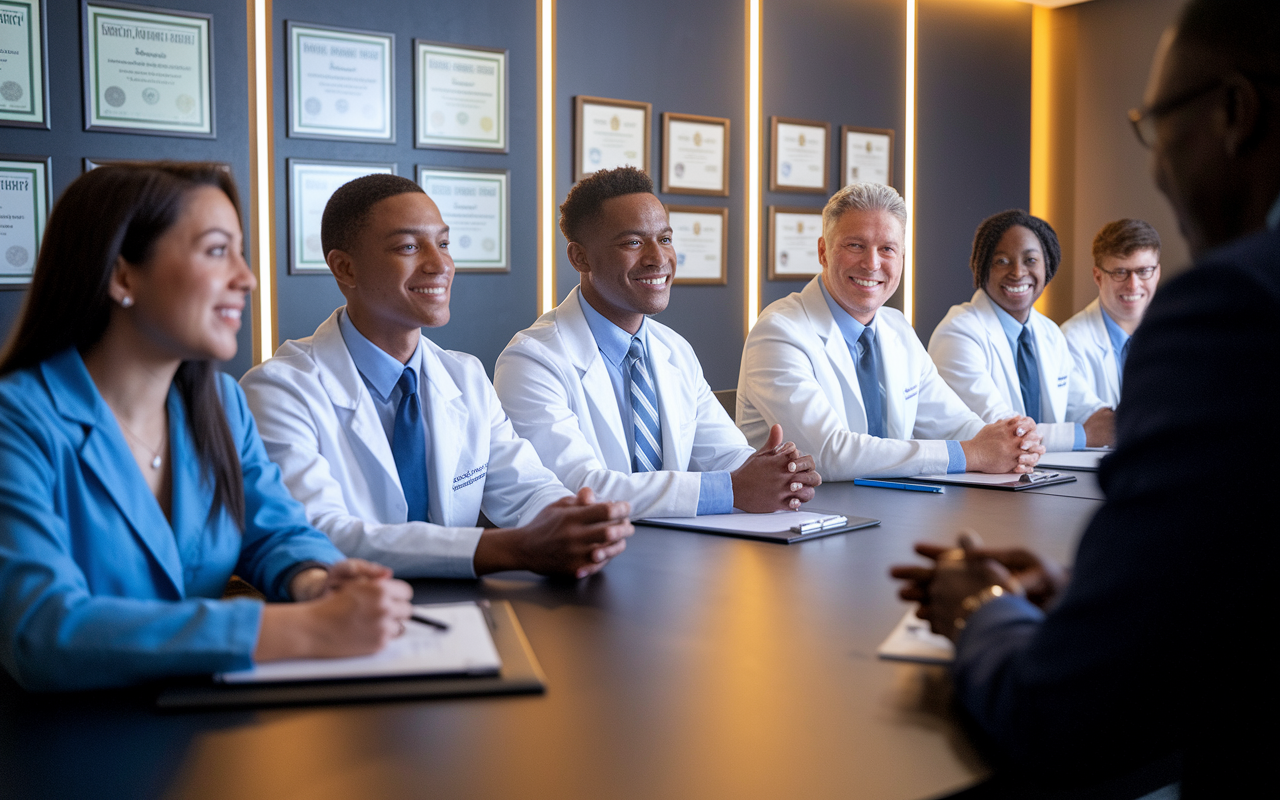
(912, 641)
(1086, 460)
(467, 647)
(741, 522)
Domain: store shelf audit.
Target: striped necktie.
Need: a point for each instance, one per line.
(644, 413)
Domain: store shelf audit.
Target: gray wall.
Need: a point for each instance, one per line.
(69, 143)
(1112, 178)
(973, 112)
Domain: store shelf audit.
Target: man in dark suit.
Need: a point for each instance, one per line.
(1160, 642)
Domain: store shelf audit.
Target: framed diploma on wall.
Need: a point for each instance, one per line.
(311, 184)
(24, 206)
(476, 206)
(866, 155)
(695, 154)
(341, 84)
(701, 238)
(147, 70)
(798, 155)
(608, 134)
(793, 243)
(460, 97)
(24, 64)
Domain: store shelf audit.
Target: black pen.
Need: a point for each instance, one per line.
(418, 616)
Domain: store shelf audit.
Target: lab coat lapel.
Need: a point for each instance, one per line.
(447, 416)
(585, 356)
(1102, 341)
(995, 333)
(1051, 367)
(837, 352)
(676, 448)
(355, 411)
(896, 382)
(106, 453)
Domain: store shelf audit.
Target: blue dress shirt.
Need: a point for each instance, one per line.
(715, 492)
(100, 588)
(380, 372)
(1012, 330)
(852, 330)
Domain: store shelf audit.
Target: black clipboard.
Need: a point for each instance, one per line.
(520, 674)
(1033, 480)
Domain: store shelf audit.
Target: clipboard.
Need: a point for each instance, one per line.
(1030, 480)
(781, 527)
(520, 674)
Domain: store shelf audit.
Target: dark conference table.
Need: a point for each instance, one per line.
(693, 666)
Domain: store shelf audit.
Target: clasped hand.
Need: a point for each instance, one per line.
(777, 477)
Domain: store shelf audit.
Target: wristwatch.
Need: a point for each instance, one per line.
(976, 601)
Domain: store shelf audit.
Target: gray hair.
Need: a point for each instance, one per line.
(862, 197)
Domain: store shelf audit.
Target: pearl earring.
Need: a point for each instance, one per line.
(126, 302)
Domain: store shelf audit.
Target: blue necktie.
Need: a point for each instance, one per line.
(644, 414)
(1028, 375)
(868, 371)
(1124, 356)
(409, 446)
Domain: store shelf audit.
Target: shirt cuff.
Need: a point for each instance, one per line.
(285, 587)
(715, 493)
(1080, 438)
(955, 457)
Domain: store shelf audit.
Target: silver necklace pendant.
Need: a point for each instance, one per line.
(155, 462)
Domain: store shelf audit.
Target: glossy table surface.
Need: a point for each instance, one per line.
(693, 666)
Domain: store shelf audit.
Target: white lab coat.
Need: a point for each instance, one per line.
(797, 372)
(974, 357)
(555, 386)
(321, 427)
(1090, 346)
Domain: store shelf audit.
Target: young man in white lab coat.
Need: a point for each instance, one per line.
(393, 445)
(849, 379)
(1001, 355)
(1126, 268)
(615, 401)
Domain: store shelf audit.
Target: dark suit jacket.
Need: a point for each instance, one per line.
(1165, 639)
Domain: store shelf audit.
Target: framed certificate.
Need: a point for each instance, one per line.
(866, 155)
(460, 97)
(798, 156)
(147, 71)
(90, 164)
(793, 243)
(476, 206)
(701, 238)
(608, 134)
(24, 207)
(311, 184)
(24, 64)
(341, 84)
(695, 154)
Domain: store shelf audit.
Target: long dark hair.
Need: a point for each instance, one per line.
(988, 236)
(120, 210)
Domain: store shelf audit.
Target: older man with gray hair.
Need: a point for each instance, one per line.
(849, 380)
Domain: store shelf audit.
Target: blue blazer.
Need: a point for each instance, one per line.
(97, 588)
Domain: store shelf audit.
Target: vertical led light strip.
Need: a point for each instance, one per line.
(262, 196)
(1041, 109)
(753, 163)
(909, 167)
(546, 155)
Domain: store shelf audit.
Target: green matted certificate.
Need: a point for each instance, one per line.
(24, 91)
(148, 71)
(24, 208)
(476, 206)
(341, 84)
(460, 102)
(311, 184)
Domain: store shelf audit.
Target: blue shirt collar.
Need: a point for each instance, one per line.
(1115, 332)
(381, 370)
(613, 341)
(1012, 328)
(849, 327)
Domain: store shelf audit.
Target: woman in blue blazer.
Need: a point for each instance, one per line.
(132, 479)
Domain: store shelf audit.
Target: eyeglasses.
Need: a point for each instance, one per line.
(1143, 120)
(1122, 275)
